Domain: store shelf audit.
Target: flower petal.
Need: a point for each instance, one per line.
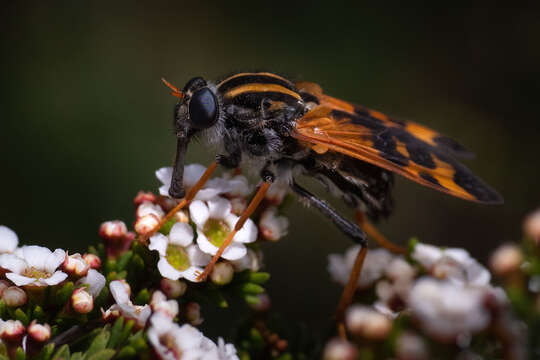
(205, 245)
(95, 281)
(55, 279)
(219, 207)
(159, 243)
(191, 273)
(36, 256)
(181, 234)
(8, 239)
(119, 292)
(19, 280)
(234, 251)
(12, 263)
(54, 260)
(248, 232)
(192, 174)
(167, 270)
(164, 175)
(199, 213)
(196, 256)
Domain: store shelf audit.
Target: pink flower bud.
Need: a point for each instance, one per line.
(506, 260)
(39, 333)
(181, 216)
(145, 224)
(114, 230)
(93, 260)
(159, 303)
(14, 296)
(144, 196)
(111, 314)
(337, 349)
(193, 313)
(81, 301)
(410, 346)
(531, 226)
(173, 288)
(222, 273)
(12, 331)
(75, 265)
(3, 286)
(147, 208)
(367, 322)
(264, 303)
(238, 205)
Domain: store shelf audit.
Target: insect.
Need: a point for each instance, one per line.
(285, 129)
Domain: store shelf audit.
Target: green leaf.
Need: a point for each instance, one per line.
(19, 354)
(252, 300)
(104, 354)
(38, 314)
(126, 352)
(62, 353)
(116, 333)
(143, 297)
(251, 288)
(46, 352)
(64, 293)
(99, 343)
(21, 316)
(126, 331)
(77, 356)
(166, 228)
(259, 277)
(123, 260)
(2, 309)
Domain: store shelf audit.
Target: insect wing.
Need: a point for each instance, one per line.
(411, 150)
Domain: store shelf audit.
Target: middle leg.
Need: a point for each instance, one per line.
(351, 230)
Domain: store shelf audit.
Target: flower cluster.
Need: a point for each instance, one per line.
(443, 295)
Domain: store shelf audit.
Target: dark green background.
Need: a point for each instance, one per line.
(85, 120)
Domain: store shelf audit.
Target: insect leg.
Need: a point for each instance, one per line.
(355, 233)
(350, 229)
(245, 215)
(185, 201)
(374, 234)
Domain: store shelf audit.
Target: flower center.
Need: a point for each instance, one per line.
(32, 272)
(216, 231)
(178, 257)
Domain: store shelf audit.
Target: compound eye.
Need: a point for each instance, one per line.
(203, 108)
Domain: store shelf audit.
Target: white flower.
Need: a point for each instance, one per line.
(455, 265)
(34, 265)
(124, 306)
(366, 322)
(147, 208)
(172, 342)
(214, 222)
(252, 261)
(178, 256)
(192, 173)
(95, 281)
(273, 227)
(8, 240)
(159, 303)
(375, 263)
(446, 310)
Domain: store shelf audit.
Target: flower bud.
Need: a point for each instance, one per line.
(39, 333)
(93, 260)
(159, 303)
(146, 224)
(273, 227)
(238, 205)
(366, 322)
(81, 301)
(181, 216)
(506, 259)
(147, 208)
(3, 286)
(12, 331)
(222, 273)
(411, 347)
(264, 303)
(531, 226)
(144, 197)
(173, 288)
(114, 230)
(75, 265)
(337, 349)
(193, 313)
(14, 296)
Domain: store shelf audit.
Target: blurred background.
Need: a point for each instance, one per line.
(86, 120)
